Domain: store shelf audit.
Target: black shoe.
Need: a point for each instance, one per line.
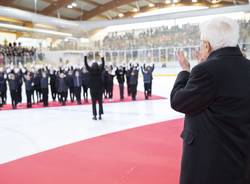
(100, 117)
(94, 118)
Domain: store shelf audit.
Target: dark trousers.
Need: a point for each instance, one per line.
(85, 91)
(128, 88)
(72, 93)
(2, 100)
(53, 93)
(19, 94)
(96, 97)
(45, 93)
(110, 91)
(38, 94)
(13, 94)
(105, 91)
(133, 90)
(147, 90)
(3, 97)
(121, 88)
(150, 87)
(78, 94)
(28, 95)
(63, 97)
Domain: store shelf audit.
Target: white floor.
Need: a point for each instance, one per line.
(26, 132)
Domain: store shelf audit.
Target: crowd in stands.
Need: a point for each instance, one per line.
(16, 53)
(163, 36)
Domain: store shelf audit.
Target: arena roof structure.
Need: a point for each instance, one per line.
(71, 12)
(106, 9)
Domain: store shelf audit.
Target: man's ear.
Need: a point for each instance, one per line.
(208, 47)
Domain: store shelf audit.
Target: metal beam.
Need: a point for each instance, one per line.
(105, 7)
(7, 3)
(91, 2)
(55, 6)
(164, 5)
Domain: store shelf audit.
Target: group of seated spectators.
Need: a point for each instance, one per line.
(16, 53)
(67, 82)
(163, 36)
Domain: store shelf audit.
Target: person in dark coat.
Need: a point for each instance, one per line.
(19, 78)
(147, 79)
(85, 83)
(37, 85)
(62, 88)
(70, 84)
(150, 70)
(44, 85)
(120, 75)
(77, 82)
(3, 87)
(29, 88)
(105, 78)
(128, 74)
(133, 82)
(13, 87)
(215, 98)
(53, 77)
(110, 81)
(96, 85)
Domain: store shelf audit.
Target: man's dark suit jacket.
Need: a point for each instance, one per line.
(215, 98)
(95, 78)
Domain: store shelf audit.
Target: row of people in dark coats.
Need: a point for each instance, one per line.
(72, 81)
(37, 84)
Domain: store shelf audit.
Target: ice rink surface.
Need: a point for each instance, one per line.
(26, 132)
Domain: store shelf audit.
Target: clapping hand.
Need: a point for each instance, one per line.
(197, 55)
(185, 65)
(101, 54)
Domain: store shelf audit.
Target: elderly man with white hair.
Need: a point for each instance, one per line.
(215, 97)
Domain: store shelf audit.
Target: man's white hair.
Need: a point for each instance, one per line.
(220, 32)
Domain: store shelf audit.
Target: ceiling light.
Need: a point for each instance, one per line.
(151, 5)
(37, 30)
(168, 1)
(121, 15)
(70, 6)
(215, 1)
(135, 10)
(74, 4)
(175, 1)
(194, 1)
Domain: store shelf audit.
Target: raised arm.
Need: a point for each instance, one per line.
(103, 63)
(193, 93)
(86, 63)
(142, 69)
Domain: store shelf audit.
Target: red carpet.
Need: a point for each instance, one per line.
(144, 155)
(116, 98)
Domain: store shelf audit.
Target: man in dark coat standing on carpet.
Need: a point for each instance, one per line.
(77, 82)
(96, 85)
(44, 85)
(120, 74)
(215, 97)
